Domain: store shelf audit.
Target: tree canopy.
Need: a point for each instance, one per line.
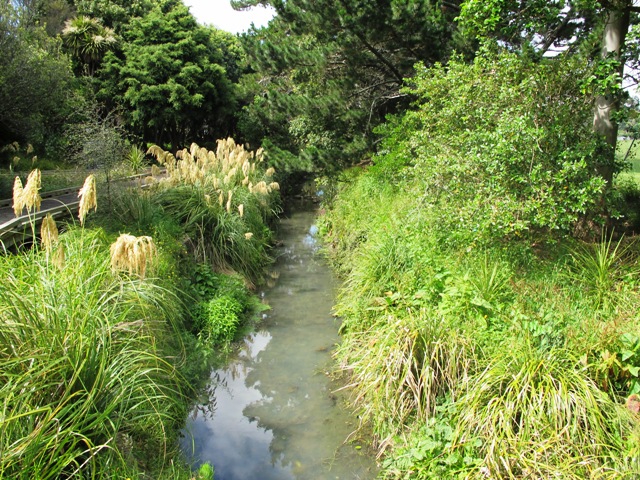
(169, 76)
(36, 82)
(329, 71)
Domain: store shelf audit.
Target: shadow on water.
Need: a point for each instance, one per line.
(275, 413)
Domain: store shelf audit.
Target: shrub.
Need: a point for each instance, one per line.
(218, 319)
(501, 148)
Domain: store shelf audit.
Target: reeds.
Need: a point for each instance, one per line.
(80, 366)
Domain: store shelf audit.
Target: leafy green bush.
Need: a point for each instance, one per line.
(225, 304)
(503, 147)
(217, 320)
(462, 290)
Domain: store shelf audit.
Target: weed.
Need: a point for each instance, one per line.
(600, 268)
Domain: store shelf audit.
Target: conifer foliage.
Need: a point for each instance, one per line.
(331, 70)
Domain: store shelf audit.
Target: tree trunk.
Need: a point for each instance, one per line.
(607, 104)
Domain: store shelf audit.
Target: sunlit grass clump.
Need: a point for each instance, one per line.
(85, 384)
(224, 200)
(509, 360)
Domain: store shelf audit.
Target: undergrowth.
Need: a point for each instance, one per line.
(481, 338)
(105, 336)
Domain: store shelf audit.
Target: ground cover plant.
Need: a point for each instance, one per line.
(106, 328)
(482, 338)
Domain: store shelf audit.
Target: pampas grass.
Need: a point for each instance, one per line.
(88, 198)
(246, 199)
(31, 194)
(48, 233)
(132, 254)
(18, 204)
(81, 366)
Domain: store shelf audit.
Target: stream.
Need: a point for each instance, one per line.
(273, 412)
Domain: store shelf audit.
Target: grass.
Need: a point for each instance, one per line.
(629, 150)
(84, 364)
(100, 349)
(539, 414)
(508, 360)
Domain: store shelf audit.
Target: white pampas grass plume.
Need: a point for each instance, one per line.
(248, 235)
(48, 233)
(88, 198)
(31, 193)
(18, 204)
(241, 209)
(132, 254)
(270, 172)
(229, 201)
(261, 188)
(157, 152)
(58, 257)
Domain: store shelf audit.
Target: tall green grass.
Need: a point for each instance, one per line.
(87, 385)
(507, 361)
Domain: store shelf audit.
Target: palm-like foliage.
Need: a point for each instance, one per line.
(88, 40)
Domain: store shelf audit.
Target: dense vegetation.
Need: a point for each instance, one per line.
(486, 238)
(146, 70)
(102, 347)
(482, 339)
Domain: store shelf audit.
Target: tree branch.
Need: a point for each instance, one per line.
(553, 35)
(394, 71)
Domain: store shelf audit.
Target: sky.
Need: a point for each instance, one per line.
(220, 14)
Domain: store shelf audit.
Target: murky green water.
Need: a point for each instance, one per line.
(274, 412)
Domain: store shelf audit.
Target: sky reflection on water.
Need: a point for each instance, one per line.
(275, 415)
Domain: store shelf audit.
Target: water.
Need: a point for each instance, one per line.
(274, 412)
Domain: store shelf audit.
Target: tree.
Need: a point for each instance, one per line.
(115, 14)
(37, 87)
(170, 77)
(608, 100)
(597, 29)
(88, 41)
(332, 69)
